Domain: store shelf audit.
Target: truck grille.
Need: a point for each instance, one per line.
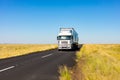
(64, 43)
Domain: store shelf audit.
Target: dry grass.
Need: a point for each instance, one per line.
(102, 62)
(65, 73)
(97, 62)
(10, 50)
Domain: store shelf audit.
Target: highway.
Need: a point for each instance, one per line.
(37, 66)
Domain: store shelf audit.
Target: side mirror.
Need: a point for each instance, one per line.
(57, 37)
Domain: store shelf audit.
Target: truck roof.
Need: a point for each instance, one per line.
(67, 31)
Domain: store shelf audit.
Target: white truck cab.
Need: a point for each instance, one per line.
(67, 39)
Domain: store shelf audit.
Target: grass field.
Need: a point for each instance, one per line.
(95, 62)
(10, 50)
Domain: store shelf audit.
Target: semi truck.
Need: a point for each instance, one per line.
(67, 39)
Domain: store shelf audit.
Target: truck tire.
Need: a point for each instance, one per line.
(59, 49)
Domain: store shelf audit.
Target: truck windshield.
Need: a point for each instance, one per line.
(64, 37)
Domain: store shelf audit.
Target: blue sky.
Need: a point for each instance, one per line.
(38, 21)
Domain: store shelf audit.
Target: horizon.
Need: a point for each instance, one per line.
(39, 21)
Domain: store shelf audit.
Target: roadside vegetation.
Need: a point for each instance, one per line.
(11, 50)
(95, 62)
(65, 73)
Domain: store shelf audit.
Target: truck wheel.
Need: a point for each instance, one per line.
(59, 49)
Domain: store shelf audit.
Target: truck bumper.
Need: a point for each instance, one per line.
(64, 47)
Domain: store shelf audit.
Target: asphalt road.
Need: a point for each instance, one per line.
(38, 66)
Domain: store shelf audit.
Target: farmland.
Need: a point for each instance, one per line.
(11, 50)
(95, 62)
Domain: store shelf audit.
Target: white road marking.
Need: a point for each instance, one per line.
(47, 55)
(7, 68)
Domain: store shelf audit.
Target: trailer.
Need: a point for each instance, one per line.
(67, 39)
